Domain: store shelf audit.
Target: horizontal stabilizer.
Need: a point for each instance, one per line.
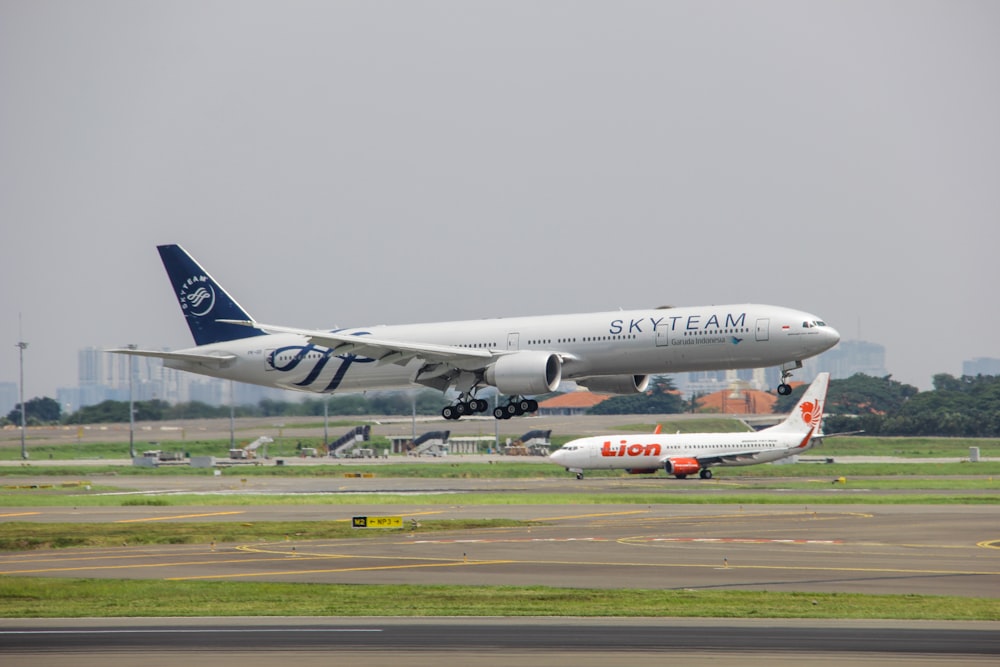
(211, 360)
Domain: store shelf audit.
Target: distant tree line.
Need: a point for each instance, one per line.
(41, 411)
(967, 406)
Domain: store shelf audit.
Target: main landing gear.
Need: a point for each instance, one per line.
(469, 405)
(465, 407)
(515, 407)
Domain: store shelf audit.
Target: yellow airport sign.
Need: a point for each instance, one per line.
(377, 522)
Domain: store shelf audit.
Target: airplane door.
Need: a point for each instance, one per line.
(662, 337)
(763, 326)
(513, 340)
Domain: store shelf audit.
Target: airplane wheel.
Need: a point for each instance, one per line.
(499, 413)
(482, 405)
(448, 412)
(510, 409)
(706, 474)
(532, 405)
(784, 389)
(579, 475)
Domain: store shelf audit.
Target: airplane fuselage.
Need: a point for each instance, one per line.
(654, 341)
(648, 452)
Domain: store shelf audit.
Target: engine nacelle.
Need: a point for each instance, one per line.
(681, 466)
(616, 384)
(525, 373)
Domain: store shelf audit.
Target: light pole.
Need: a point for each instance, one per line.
(21, 345)
(131, 408)
(232, 416)
(326, 419)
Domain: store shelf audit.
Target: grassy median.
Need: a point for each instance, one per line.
(74, 598)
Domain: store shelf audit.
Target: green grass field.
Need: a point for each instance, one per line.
(24, 597)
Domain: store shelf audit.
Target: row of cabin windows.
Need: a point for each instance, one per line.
(716, 332)
(614, 448)
(588, 339)
(290, 357)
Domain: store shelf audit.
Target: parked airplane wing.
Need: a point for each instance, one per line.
(385, 351)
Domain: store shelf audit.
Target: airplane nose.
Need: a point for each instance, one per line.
(832, 335)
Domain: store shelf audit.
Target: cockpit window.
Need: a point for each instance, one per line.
(814, 323)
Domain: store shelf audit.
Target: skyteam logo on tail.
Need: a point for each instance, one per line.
(197, 296)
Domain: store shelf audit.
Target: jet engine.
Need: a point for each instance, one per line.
(525, 373)
(681, 467)
(616, 384)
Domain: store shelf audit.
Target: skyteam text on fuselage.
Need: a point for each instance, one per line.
(684, 454)
(613, 352)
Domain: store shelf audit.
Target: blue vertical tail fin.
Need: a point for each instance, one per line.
(203, 301)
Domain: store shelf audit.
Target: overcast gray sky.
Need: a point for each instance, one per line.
(357, 163)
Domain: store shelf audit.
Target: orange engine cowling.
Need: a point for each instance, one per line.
(681, 466)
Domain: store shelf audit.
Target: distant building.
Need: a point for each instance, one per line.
(103, 376)
(981, 366)
(851, 357)
(8, 397)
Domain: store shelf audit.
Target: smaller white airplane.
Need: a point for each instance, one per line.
(684, 454)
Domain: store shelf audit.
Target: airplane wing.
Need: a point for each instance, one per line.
(386, 351)
(744, 458)
(213, 360)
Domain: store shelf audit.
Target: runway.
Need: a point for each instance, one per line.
(529, 642)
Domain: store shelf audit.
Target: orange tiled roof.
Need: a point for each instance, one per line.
(749, 402)
(760, 402)
(574, 399)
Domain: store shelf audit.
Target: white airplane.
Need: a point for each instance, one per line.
(684, 454)
(612, 352)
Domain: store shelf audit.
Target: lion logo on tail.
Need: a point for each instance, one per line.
(812, 412)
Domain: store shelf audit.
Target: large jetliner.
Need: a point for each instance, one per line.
(684, 454)
(612, 352)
